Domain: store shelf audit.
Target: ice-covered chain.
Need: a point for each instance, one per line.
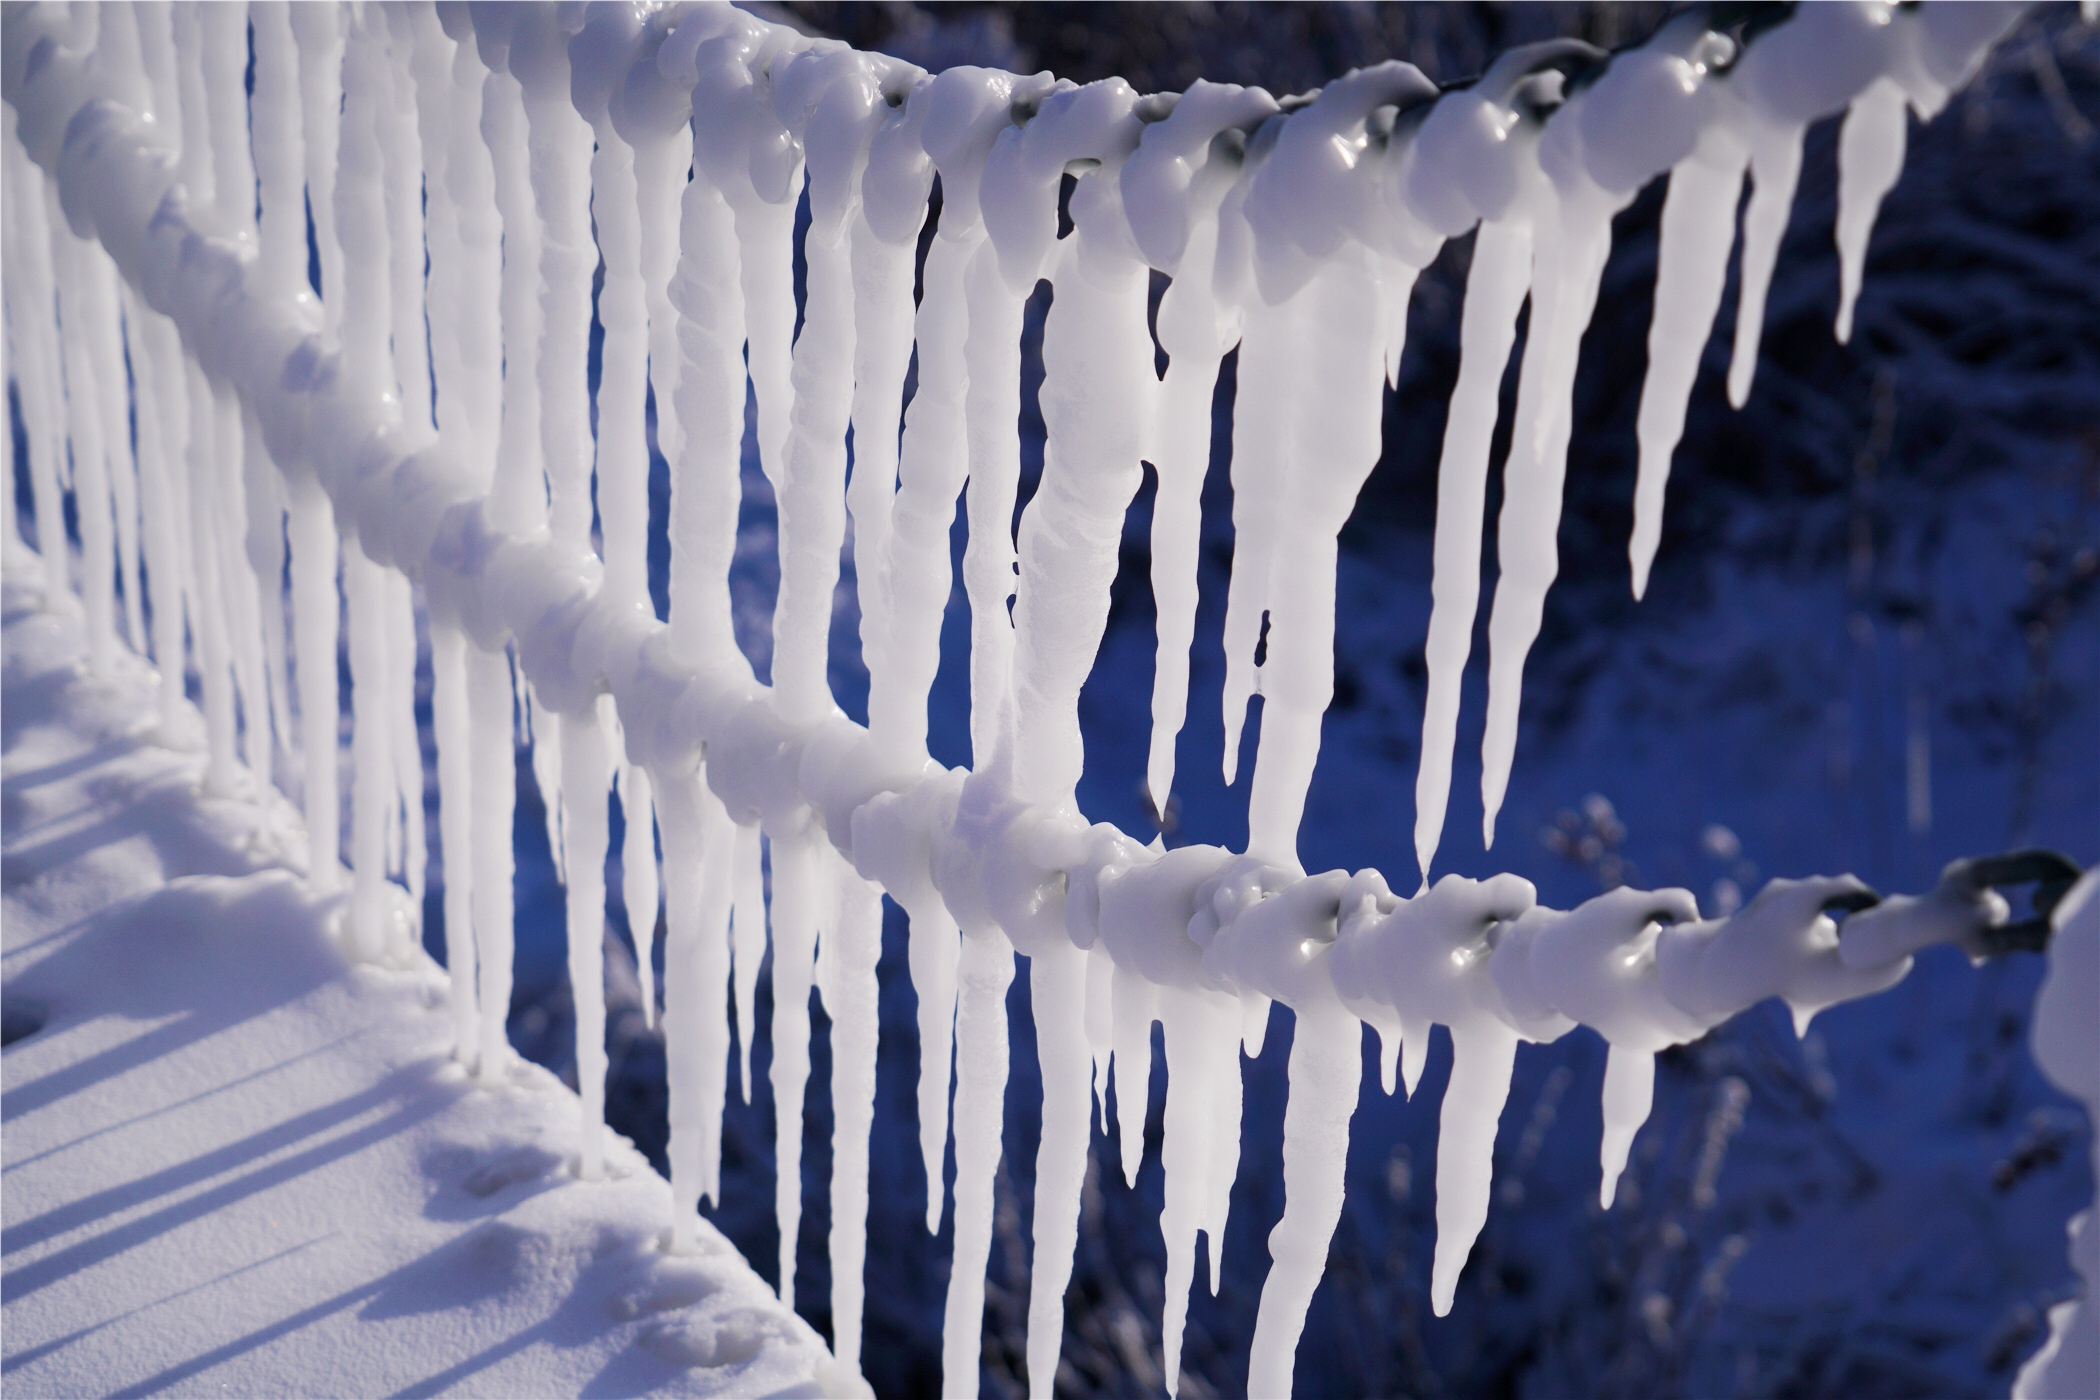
(434, 423)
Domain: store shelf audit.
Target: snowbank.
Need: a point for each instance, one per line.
(235, 1163)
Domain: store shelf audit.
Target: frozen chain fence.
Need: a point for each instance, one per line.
(462, 171)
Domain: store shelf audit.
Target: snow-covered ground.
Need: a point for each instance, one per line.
(235, 1164)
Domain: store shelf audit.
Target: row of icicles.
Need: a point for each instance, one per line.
(463, 173)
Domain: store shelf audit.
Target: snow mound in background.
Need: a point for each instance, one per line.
(233, 1162)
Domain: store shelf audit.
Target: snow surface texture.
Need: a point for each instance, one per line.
(1297, 236)
(238, 1161)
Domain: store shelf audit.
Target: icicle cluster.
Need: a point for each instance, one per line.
(423, 431)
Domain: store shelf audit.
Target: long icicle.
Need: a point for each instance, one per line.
(1495, 289)
(30, 294)
(1324, 1067)
(1698, 231)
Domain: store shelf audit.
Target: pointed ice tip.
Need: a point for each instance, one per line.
(1608, 1191)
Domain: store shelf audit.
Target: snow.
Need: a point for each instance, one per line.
(235, 1160)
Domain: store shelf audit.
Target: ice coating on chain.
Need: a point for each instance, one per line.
(543, 140)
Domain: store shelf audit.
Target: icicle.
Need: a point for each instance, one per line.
(1573, 243)
(1335, 441)
(223, 33)
(1189, 1142)
(710, 400)
(885, 242)
(560, 145)
(7, 500)
(1495, 288)
(452, 729)
(1100, 1027)
(463, 232)
(1483, 1055)
(985, 972)
(1629, 1095)
(852, 1006)
(318, 31)
(1475, 155)
(423, 92)
(1057, 997)
(366, 323)
(962, 112)
(1331, 301)
(31, 301)
(639, 888)
(796, 908)
(699, 845)
(407, 745)
(1429, 959)
(598, 55)
(660, 111)
(1135, 1004)
(1775, 168)
(196, 148)
(812, 483)
(240, 590)
(160, 511)
(373, 785)
(586, 768)
(1325, 1064)
(492, 760)
(1228, 1103)
(1598, 965)
(1097, 399)
(84, 429)
(470, 378)
(262, 488)
(740, 145)
(1193, 329)
(112, 401)
(276, 132)
(1870, 157)
(1185, 166)
(215, 668)
(1698, 230)
(932, 465)
(518, 502)
(749, 944)
(623, 450)
(1808, 68)
(992, 404)
(1270, 355)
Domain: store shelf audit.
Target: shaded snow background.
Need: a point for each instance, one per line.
(1872, 643)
